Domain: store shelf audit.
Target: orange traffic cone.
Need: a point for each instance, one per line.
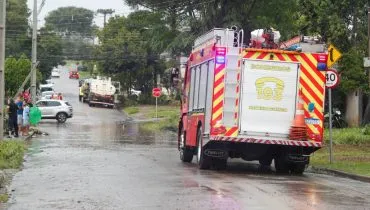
(298, 130)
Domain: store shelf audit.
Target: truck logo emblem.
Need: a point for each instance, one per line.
(270, 88)
(215, 153)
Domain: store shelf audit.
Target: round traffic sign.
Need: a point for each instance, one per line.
(156, 92)
(332, 78)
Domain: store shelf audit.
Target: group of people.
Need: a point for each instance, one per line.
(57, 96)
(19, 117)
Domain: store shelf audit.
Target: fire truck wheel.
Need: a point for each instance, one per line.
(186, 155)
(203, 161)
(265, 161)
(298, 168)
(281, 165)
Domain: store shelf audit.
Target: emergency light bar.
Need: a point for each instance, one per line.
(220, 55)
(322, 60)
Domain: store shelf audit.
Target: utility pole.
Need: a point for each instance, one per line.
(2, 65)
(368, 35)
(34, 52)
(105, 12)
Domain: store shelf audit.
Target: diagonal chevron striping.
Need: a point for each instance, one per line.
(218, 94)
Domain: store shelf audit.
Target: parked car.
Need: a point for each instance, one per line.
(55, 73)
(48, 81)
(47, 94)
(135, 92)
(74, 75)
(45, 88)
(55, 109)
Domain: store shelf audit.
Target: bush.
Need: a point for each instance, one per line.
(366, 130)
(352, 136)
(11, 154)
(129, 101)
(149, 99)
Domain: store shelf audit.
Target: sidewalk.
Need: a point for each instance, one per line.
(32, 132)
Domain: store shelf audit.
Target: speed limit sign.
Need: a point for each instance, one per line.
(332, 78)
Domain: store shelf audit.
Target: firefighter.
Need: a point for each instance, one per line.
(81, 96)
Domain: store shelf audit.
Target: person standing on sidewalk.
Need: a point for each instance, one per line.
(26, 119)
(19, 103)
(13, 124)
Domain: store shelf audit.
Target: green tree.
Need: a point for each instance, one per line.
(49, 52)
(69, 20)
(126, 51)
(199, 17)
(345, 26)
(17, 40)
(16, 71)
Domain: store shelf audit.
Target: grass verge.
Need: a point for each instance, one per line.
(168, 115)
(11, 154)
(351, 136)
(131, 110)
(11, 157)
(4, 198)
(353, 159)
(84, 74)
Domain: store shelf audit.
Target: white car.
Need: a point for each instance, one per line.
(55, 73)
(47, 94)
(55, 109)
(135, 92)
(48, 81)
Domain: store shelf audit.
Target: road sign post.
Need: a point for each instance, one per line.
(156, 92)
(332, 80)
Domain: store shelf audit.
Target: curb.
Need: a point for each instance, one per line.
(29, 136)
(339, 173)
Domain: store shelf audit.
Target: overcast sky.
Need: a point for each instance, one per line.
(50, 5)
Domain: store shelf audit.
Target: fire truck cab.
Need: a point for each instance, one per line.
(249, 103)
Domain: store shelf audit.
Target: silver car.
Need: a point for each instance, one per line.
(55, 109)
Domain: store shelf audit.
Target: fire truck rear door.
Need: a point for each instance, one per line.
(268, 97)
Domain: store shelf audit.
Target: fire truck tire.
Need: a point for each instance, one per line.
(204, 162)
(219, 164)
(186, 155)
(298, 168)
(265, 161)
(281, 165)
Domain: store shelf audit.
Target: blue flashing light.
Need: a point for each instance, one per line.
(322, 66)
(220, 59)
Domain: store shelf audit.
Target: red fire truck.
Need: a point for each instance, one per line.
(249, 103)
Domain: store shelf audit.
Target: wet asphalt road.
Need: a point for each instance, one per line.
(95, 161)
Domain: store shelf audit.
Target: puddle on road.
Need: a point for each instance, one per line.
(107, 132)
(135, 133)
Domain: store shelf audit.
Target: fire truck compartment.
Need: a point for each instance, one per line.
(269, 92)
